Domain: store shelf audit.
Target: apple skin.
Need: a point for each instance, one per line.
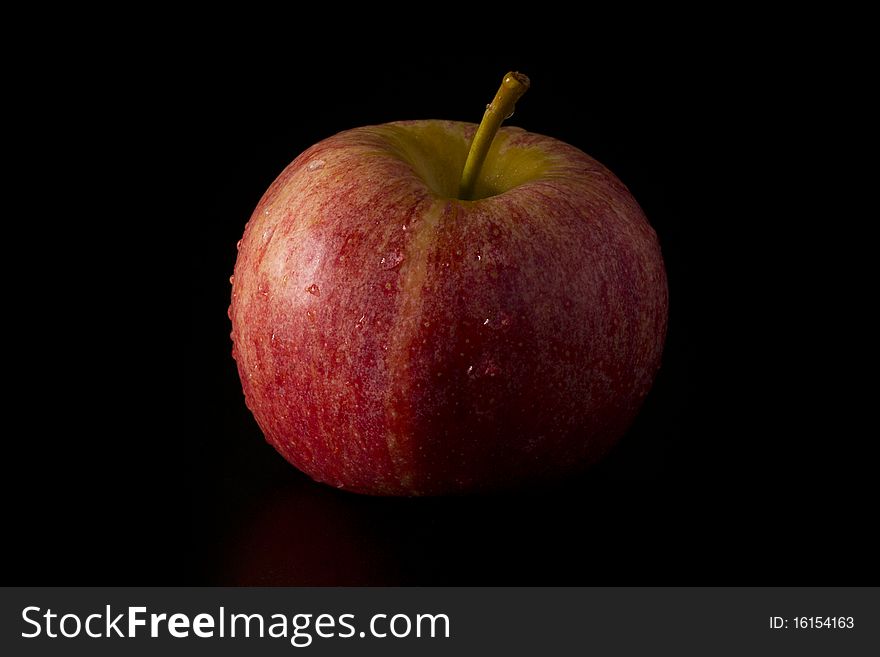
(394, 340)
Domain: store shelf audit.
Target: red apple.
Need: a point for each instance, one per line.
(400, 333)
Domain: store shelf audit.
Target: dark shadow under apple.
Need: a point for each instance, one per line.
(583, 530)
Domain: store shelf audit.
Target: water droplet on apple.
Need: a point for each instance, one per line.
(314, 289)
(314, 165)
(229, 312)
(238, 245)
(232, 279)
(392, 260)
(486, 322)
(479, 258)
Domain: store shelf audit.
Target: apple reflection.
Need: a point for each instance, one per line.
(304, 534)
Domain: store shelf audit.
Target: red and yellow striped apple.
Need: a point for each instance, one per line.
(402, 328)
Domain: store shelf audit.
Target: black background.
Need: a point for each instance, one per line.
(148, 468)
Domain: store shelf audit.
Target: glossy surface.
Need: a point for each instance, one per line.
(392, 339)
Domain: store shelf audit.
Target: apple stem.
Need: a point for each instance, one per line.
(513, 86)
